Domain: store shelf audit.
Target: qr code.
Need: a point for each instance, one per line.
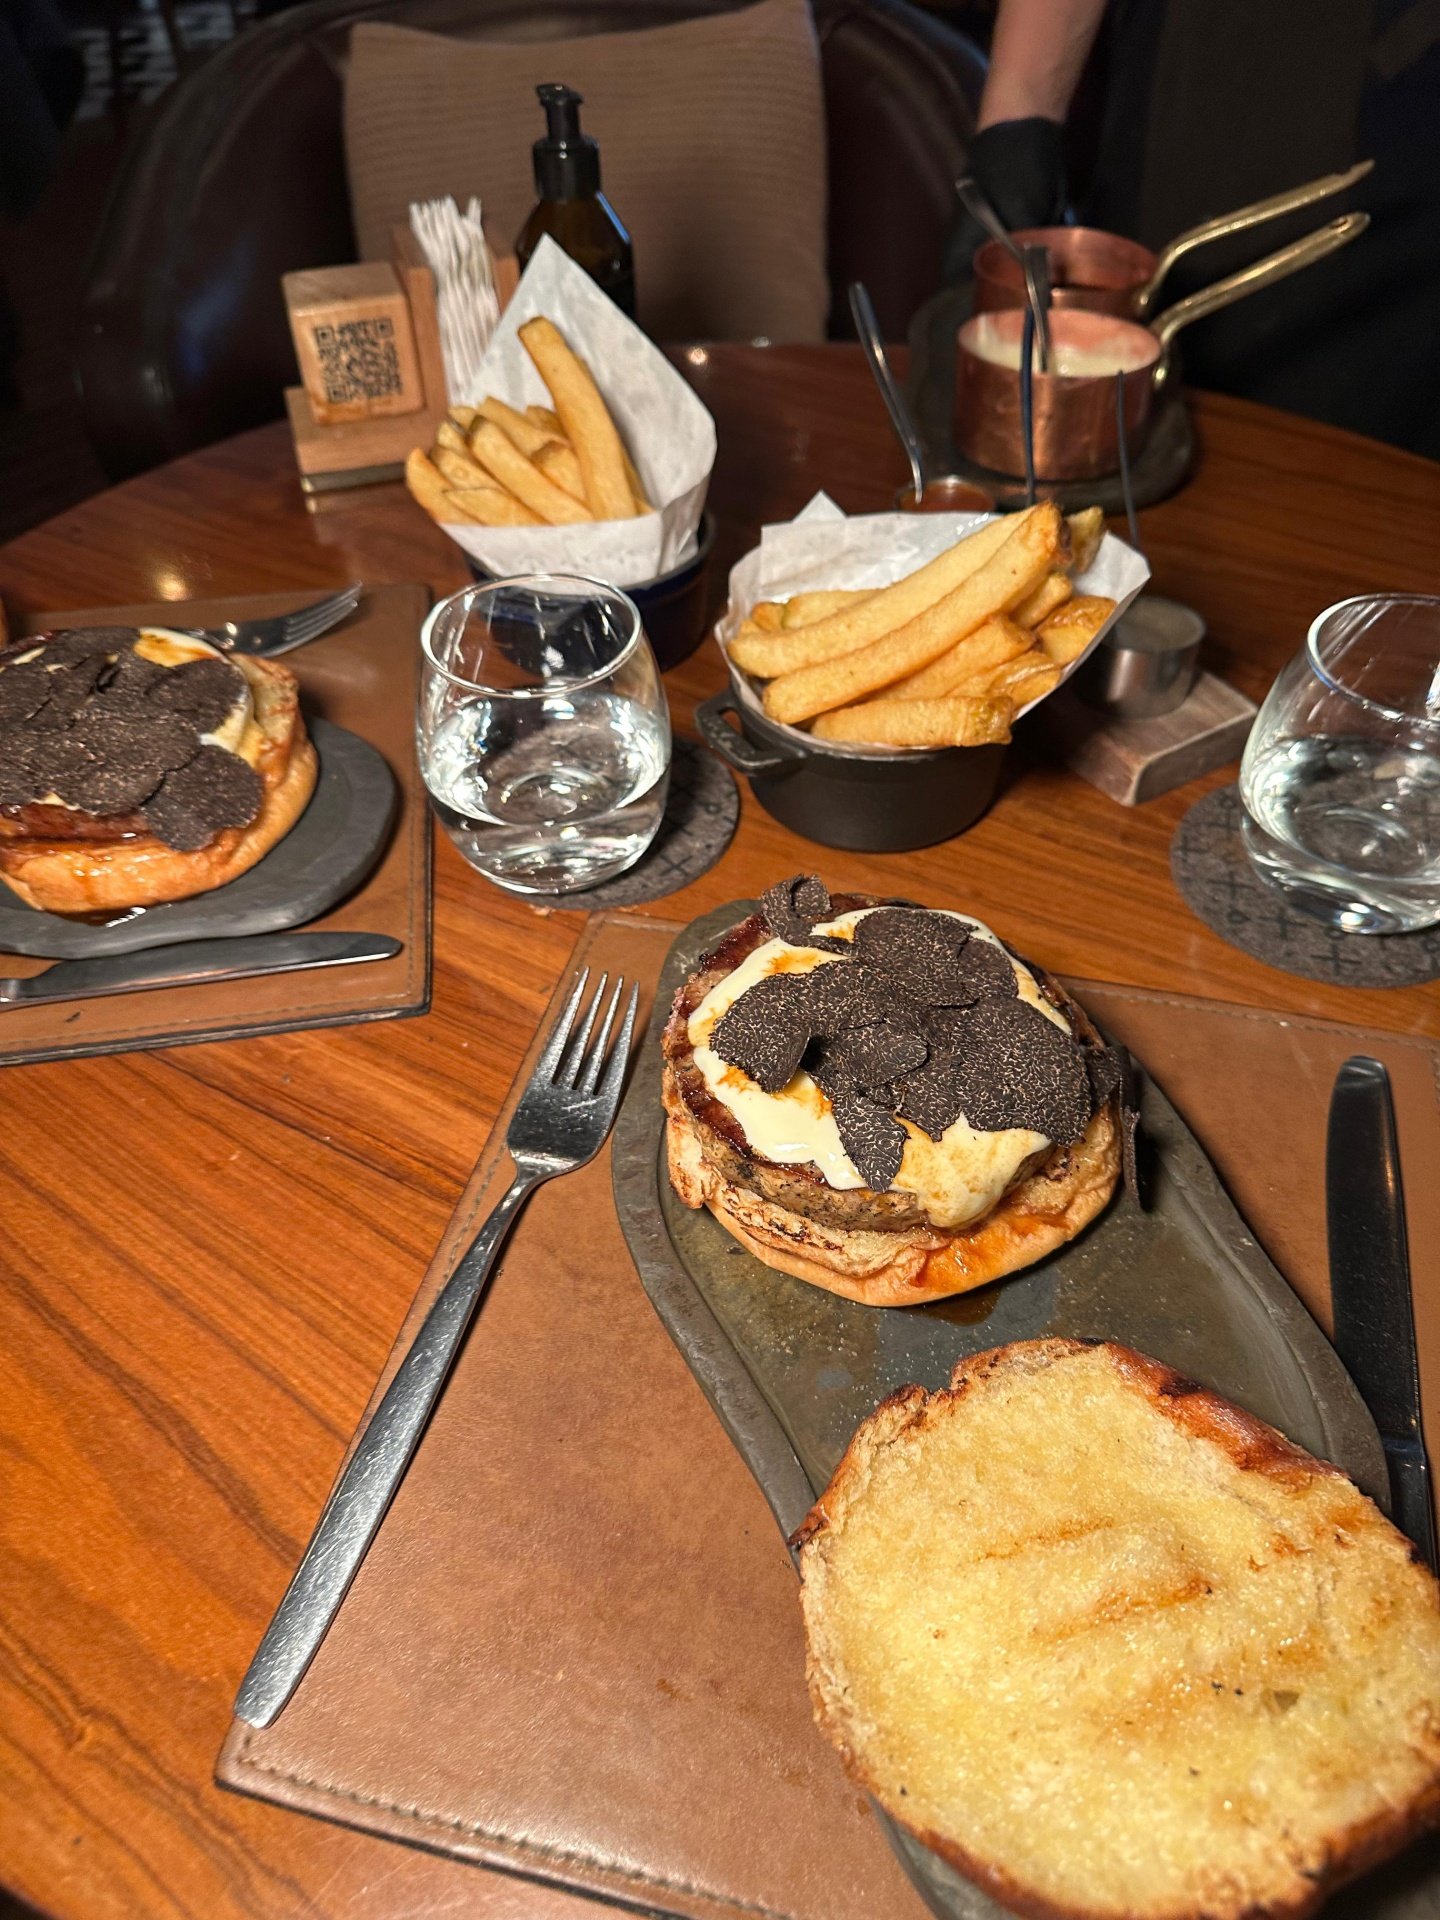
(358, 360)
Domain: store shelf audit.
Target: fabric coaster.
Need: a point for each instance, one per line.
(1216, 880)
(701, 811)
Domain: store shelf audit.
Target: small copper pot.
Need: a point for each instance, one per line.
(1105, 273)
(1073, 415)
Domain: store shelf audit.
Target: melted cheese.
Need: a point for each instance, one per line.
(957, 1178)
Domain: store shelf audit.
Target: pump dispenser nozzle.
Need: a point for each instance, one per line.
(571, 209)
(567, 162)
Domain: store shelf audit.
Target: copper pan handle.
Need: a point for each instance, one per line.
(1243, 217)
(1263, 273)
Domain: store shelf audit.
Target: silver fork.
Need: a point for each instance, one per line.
(564, 1115)
(282, 632)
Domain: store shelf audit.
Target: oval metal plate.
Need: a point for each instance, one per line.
(792, 1370)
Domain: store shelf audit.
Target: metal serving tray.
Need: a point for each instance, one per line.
(792, 1370)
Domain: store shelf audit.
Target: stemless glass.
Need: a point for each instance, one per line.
(543, 732)
(1341, 775)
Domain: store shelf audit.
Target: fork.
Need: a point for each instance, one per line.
(282, 632)
(562, 1120)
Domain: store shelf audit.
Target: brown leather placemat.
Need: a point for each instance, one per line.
(362, 677)
(574, 1650)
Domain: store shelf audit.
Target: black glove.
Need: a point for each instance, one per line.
(1020, 167)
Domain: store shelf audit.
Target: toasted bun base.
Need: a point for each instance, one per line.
(98, 876)
(1116, 1649)
(903, 1268)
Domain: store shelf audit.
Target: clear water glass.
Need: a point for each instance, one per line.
(543, 731)
(1341, 775)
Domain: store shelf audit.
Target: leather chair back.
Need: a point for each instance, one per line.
(241, 178)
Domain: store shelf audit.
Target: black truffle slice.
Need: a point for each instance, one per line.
(846, 996)
(16, 784)
(1106, 1072)
(24, 689)
(878, 1054)
(124, 760)
(71, 686)
(127, 680)
(930, 1098)
(203, 691)
(53, 761)
(874, 1140)
(766, 1031)
(940, 962)
(213, 791)
(84, 643)
(1018, 1069)
(792, 907)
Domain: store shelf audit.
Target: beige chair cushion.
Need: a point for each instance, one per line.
(712, 147)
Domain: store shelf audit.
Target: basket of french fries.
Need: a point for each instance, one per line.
(580, 448)
(878, 664)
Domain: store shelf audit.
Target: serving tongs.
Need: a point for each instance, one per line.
(1256, 214)
(1034, 260)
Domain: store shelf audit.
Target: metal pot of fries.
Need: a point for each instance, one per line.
(1074, 413)
(838, 796)
(1102, 272)
(876, 718)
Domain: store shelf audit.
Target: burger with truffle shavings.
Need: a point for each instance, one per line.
(140, 765)
(883, 1100)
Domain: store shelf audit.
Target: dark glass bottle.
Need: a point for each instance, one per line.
(571, 208)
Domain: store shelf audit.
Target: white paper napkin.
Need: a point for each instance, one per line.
(666, 426)
(823, 547)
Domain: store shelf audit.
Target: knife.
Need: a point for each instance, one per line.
(1370, 1283)
(193, 963)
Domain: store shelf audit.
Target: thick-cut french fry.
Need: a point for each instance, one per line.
(887, 609)
(1029, 678)
(636, 485)
(556, 460)
(585, 418)
(1087, 530)
(489, 507)
(1053, 591)
(919, 723)
(458, 468)
(989, 647)
(448, 434)
(527, 434)
(523, 478)
(426, 483)
(1026, 553)
(547, 418)
(803, 609)
(1066, 634)
(464, 417)
(767, 615)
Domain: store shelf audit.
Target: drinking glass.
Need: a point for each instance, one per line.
(1341, 775)
(543, 732)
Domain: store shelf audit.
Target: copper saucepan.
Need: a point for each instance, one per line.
(1074, 412)
(1106, 273)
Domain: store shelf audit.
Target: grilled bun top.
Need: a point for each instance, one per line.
(110, 733)
(895, 1049)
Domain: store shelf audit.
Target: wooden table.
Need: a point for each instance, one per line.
(207, 1252)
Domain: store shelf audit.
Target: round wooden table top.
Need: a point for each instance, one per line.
(165, 1455)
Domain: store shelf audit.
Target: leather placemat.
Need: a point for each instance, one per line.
(574, 1649)
(361, 676)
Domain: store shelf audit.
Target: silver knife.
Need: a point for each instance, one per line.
(1370, 1283)
(192, 963)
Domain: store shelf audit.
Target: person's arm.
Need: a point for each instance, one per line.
(1037, 54)
(1017, 157)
